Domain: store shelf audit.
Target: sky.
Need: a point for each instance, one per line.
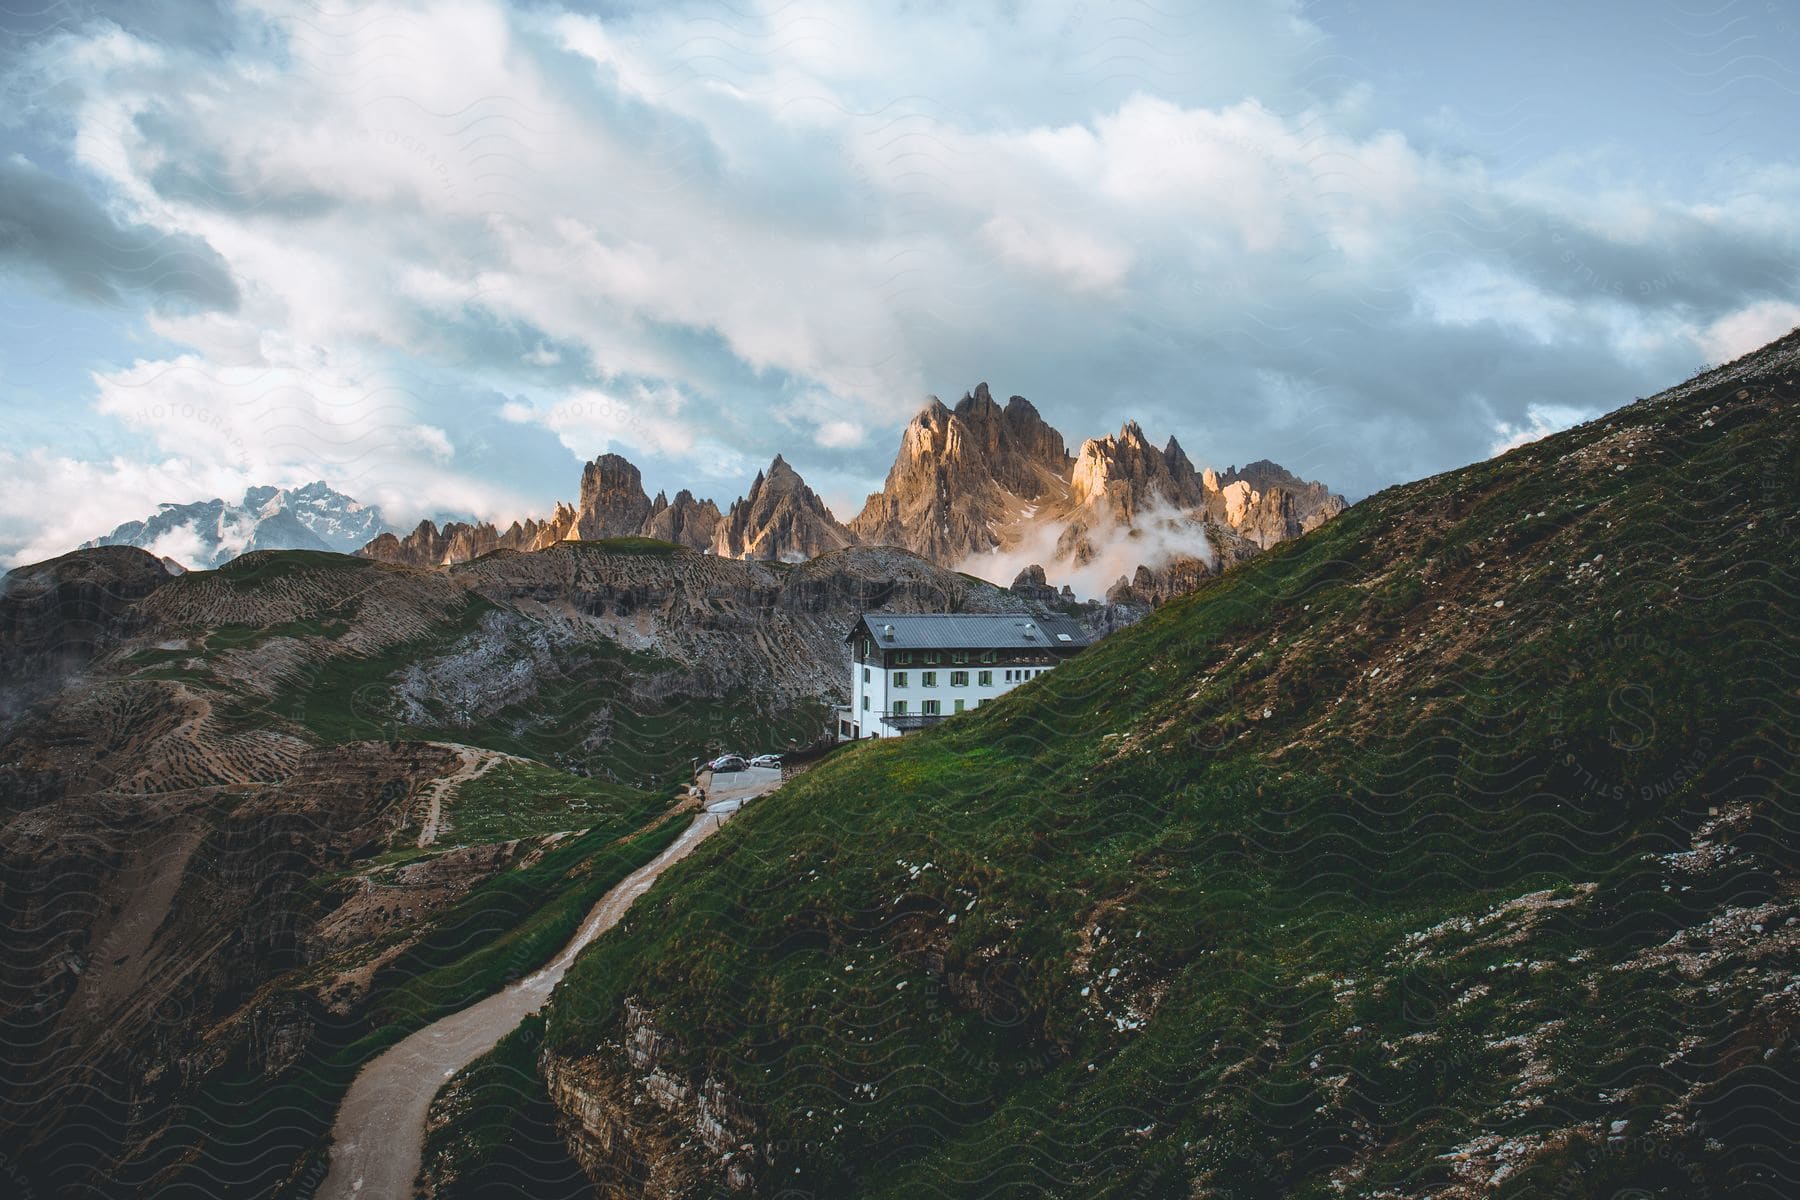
(441, 252)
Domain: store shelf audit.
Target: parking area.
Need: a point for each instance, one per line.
(734, 788)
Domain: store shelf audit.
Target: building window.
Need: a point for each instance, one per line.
(934, 656)
(928, 679)
(899, 708)
(959, 679)
(959, 656)
(931, 708)
(984, 678)
(865, 674)
(899, 678)
(959, 706)
(866, 648)
(865, 702)
(988, 656)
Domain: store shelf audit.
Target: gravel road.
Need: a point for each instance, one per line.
(378, 1138)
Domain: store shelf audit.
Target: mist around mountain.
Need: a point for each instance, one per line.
(210, 533)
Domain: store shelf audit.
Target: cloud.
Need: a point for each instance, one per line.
(1540, 422)
(51, 503)
(705, 241)
(287, 419)
(1736, 334)
(839, 435)
(55, 230)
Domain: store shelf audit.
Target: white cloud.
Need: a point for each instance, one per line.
(1738, 333)
(839, 435)
(51, 503)
(591, 422)
(1541, 421)
(653, 230)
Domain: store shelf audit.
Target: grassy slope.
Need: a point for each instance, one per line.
(519, 798)
(1149, 923)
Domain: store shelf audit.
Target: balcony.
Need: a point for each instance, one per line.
(908, 722)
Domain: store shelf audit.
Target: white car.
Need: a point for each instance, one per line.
(766, 760)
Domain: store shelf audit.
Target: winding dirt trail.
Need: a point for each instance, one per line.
(476, 762)
(378, 1138)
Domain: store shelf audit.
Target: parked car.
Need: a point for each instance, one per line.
(727, 762)
(766, 760)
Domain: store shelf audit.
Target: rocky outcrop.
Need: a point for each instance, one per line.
(559, 528)
(1313, 502)
(979, 479)
(458, 541)
(1122, 477)
(686, 522)
(640, 1128)
(781, 520)
(613, 503)
(963, 475)
(1153, 586)
(1033, 584)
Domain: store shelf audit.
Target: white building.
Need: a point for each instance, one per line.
(909, 670)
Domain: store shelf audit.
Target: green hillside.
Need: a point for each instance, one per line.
(1447, 850)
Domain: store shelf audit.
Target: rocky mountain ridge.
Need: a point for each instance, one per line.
(981, 486)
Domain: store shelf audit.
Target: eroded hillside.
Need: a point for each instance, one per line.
(260, 822)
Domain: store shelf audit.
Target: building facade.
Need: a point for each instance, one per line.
(909, 670)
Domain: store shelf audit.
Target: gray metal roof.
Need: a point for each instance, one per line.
(970, 631)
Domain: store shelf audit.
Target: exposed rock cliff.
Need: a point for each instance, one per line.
(647, 1131)
(964, 475)
(687, 522)
(1313, 502)
(780, 520)
(458, 541)
(613, 503)
(979, 482)
(978, 487)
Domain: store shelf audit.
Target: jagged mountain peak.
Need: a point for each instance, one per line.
(780, 518)
(979, 478)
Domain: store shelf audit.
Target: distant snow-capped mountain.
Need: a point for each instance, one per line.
(210, 533)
